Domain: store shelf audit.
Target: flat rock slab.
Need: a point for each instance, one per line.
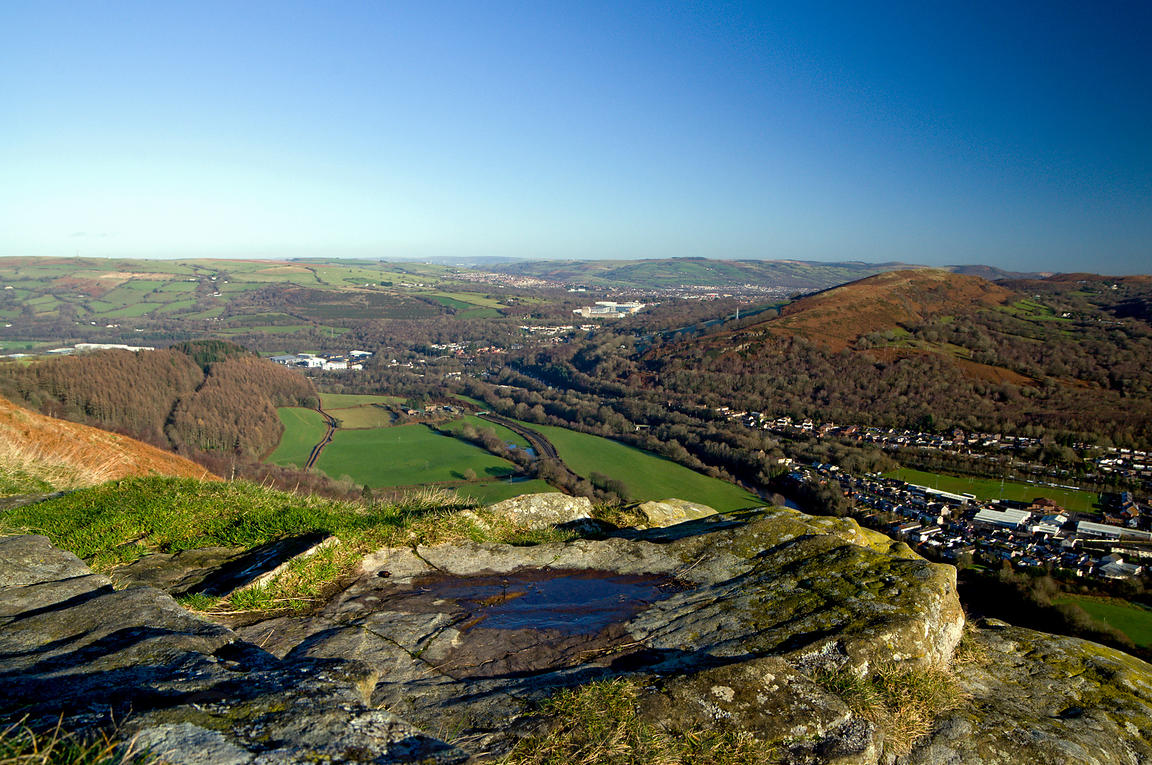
(215, 571)
(452, 631)
(77, 651)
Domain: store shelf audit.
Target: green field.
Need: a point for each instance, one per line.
(344, 400)
(406, 455)
(988, 488)
(494, 491)
(1133, 619)
(647, 475)
(367, 416)
(303, 429)
(506, 435)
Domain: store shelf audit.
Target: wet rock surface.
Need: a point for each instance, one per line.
(729, 622)
(76, 651)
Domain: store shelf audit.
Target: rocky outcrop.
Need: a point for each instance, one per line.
(669, 512)
(1045, 698)
(77, 651)
(539, 511)
(475, 632)
(733, 622)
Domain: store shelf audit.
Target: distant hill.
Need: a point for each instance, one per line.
(898, 299)
(40, 453)
(931, 349)
(674, 273)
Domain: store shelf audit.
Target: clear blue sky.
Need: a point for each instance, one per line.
(1015, 134)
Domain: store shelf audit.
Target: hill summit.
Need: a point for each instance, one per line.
(837, 317)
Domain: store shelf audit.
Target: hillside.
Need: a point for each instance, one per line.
(929, 348)
(838, 317)
(40, 453)
(665, 273)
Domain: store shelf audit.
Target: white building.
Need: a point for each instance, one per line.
(1012, 519)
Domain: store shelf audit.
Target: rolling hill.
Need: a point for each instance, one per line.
(41, 453)
(1060, 356)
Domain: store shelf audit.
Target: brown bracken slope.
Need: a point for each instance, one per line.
(836, 318)
(91, 455)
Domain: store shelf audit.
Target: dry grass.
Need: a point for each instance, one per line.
(40, 453)
(902, 701)
(598, 724)
(20, 745)
(30, 467)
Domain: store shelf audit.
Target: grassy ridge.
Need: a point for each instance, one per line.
(988, 489)
(647, 475)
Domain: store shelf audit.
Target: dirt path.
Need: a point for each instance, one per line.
(330, 421)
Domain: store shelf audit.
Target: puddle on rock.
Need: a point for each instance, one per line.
(571, 602)
(534, 620)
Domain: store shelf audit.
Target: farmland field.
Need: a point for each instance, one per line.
(406, 455)
(344, 400)
(648, 476)
(303, 429)
(987, 488)
(367, 416)
(1133, 619)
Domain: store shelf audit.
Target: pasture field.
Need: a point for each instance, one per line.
(647, 475)
(988, 489)
(406, 455)
(505, 435)
(303, 429)
(347, 400)
(468, 298)
(367, 416)
(1133, 619)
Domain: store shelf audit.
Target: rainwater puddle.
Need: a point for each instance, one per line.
(569, 602)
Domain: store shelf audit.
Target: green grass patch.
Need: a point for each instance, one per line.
(406, 455)
(133, 311)
(303, 429)
(1133, 619)
(647, 475)
(989, 488)
(480, 313)
(343, 400)
(469, 298)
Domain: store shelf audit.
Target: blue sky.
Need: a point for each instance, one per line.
(1014, 134)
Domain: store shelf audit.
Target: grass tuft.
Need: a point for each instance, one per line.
(20, 745)
(902, 701)
(598, 724)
